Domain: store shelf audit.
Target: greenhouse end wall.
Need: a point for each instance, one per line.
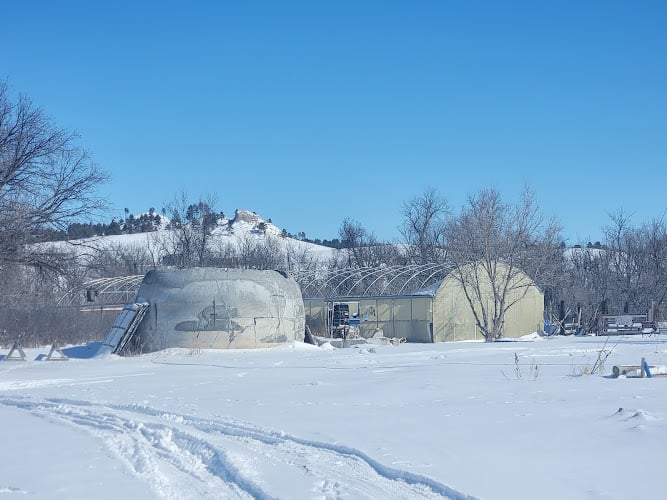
(454, 320)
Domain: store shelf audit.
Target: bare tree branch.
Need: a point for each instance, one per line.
(46, 181)
(422, 227)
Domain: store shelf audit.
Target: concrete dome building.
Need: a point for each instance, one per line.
(210, 308)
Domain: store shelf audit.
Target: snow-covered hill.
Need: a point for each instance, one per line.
(245, 228)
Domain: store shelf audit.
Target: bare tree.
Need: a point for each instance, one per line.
(190, 228)
(353, 239)
(625, 275)
(46, 181)
(586, 285)
(362, 252)
(637, 262)
(492, 245)
(224, 254)
(154, 248)
(655, 245)
(261, 252)
(300, 257)
(623, 258)
(30, 309)
(362, 248)
(422, 228)
(120, 260)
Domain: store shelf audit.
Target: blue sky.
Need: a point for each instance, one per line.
(311, 112)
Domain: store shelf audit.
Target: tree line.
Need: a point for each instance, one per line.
(48, 185)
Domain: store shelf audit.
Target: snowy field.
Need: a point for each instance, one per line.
(510, 420)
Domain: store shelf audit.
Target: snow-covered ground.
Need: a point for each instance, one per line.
(510, 420)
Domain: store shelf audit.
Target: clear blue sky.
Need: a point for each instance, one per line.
(310, 112)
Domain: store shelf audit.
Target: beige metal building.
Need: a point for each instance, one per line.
(437, 312)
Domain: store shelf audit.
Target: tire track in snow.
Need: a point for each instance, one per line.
(176, 464)
(186, 456)
(268, 437)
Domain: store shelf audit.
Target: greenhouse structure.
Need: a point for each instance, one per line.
(418, 303)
